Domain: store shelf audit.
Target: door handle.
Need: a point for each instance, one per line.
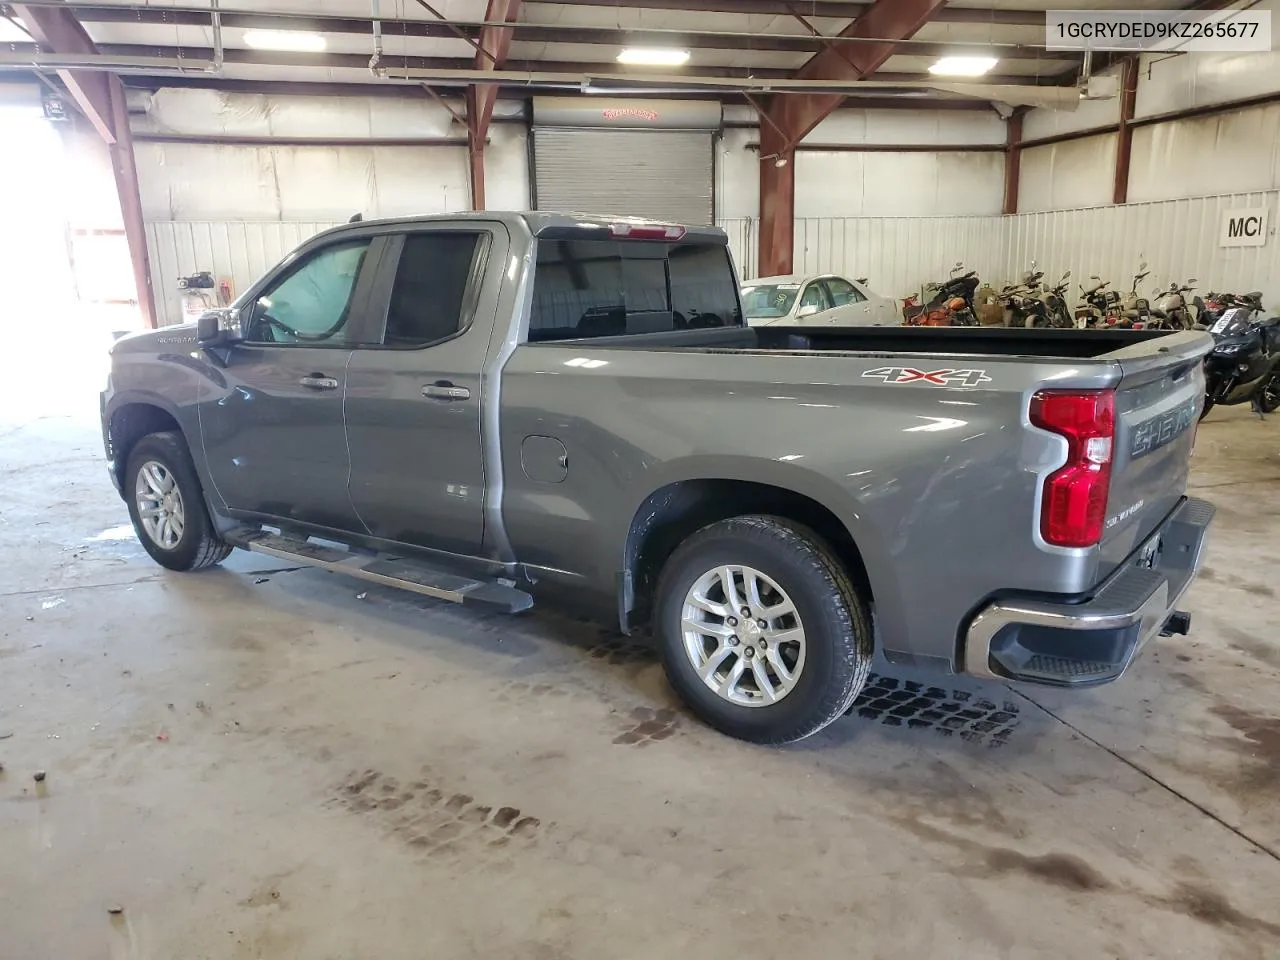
(318, 381)
(443, 390)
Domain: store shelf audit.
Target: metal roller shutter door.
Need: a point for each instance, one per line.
(659, 174)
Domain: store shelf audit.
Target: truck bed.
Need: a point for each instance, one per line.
(986, 341)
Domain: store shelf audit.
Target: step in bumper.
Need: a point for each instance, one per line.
(1085, 643)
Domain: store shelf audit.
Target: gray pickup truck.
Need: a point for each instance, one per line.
(492, 408)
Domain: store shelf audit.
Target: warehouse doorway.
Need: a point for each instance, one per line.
(651, 158)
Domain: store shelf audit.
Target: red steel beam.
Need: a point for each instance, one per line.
(791, 118)
(494, 46)
(1124, 135)
(59, 31)
(1013, 159)
(101, 97)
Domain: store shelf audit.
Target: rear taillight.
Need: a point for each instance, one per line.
(1073, 510)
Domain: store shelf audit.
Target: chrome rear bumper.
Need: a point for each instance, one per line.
(1093, 641)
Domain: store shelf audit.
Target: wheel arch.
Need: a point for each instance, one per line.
(680, 506)
(132, 417)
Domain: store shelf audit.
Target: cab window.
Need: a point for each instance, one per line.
(843, 292)
(312, 303)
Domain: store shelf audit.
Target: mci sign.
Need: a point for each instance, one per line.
(1243, 228)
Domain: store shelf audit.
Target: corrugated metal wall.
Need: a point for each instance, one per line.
(241, 250)
(1178, 239)
(896, 254)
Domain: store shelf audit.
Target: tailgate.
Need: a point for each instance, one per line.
(1158, 406)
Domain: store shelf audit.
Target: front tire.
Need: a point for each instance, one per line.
(166, 505)
(761, 632)
(1268, 395)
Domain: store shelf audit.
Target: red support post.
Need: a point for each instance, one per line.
(494, 46)
(1013, 159)
(101, 98)
(1124, 134)
(777, 202)
(791, 117)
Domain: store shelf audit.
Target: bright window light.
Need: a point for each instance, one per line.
(10, 32)
(654, 56)
(291, 40)
(963, 66)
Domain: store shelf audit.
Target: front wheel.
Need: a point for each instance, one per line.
(761, 631)
(166, 505)
(1268, 395)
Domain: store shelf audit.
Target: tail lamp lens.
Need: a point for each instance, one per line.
(1074, 505)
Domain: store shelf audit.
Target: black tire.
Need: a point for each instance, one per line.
(1208, 405)
(838, 639)
(1268, 395)
(199, 546)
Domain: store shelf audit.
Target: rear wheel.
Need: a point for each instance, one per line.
(761, 631)
(166, 505)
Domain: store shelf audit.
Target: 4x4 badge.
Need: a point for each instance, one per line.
(935, 378)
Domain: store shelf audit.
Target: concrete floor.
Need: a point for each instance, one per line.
(262, 764)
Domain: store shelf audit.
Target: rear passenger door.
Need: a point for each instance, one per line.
(413, 399)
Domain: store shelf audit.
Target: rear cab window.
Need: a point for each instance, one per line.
(613, 287)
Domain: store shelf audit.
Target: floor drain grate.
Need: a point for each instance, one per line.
(918, 706)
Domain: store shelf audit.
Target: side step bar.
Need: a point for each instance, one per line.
(388, 570)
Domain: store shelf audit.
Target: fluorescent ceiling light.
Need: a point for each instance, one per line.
(963, 66)
(654, 56)
(291, 40)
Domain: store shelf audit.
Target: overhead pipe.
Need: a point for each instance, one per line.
(215, 18)
(744, 35)
(105, 63)
(375, 62)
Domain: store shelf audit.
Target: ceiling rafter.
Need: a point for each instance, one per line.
(469, 31)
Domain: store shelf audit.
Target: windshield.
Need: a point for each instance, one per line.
(770, 300)
(1233, 323)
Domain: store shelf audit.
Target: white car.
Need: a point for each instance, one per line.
(816, 301)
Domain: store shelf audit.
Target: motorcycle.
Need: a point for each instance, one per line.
(1244, 364)
(1216, 304)
(946, 304)
(1172, 306)
(1096, 301)
(1054, 313)
(1133, 310)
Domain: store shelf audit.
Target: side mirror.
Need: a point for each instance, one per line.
(1067, 275)
(217, 328)
(1192, 280)
(808, 310)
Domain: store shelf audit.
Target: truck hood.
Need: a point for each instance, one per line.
(157, 341)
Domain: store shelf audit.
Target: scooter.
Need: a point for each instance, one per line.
(1244, 364)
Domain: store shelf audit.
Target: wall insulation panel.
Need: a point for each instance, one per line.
(242, 251)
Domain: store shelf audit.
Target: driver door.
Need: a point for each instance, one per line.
(851, 307)
(273, 428)
(812, 302)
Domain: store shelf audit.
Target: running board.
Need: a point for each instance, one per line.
(386, 569)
